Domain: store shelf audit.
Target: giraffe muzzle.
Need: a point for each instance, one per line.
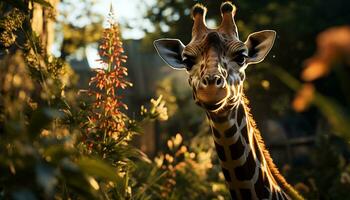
(217, 81)
(212, 89)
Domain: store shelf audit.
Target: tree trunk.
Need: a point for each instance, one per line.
(43, 22)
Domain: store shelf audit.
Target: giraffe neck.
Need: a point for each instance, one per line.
(247, 166)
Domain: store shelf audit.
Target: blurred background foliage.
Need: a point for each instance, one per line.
(60, 142)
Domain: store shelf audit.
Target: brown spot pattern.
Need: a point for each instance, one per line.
(226, 175)
(236, 150)
(247, 170)
(261, 191)
(216, 133)
(220, 151)
(231, 131)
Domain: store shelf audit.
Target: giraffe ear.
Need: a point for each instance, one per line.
(170, 50)
(259, 45)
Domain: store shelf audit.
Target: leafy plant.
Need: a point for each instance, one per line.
(46, 151)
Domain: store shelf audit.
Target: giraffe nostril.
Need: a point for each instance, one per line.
(219, 83)
(205, 82)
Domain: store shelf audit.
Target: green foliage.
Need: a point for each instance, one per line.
(38, 156)
(186, 171)
(9, 25)
(184, 117)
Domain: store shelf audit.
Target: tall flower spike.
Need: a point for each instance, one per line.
(107, 85)
(112, 17)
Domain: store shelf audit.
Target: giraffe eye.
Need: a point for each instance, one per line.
(189, 61)
(240, 58)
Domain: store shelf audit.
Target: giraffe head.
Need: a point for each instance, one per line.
(216, 59)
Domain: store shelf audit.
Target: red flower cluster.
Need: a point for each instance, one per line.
(106, 86)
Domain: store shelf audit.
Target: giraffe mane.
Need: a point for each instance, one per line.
(271, 165)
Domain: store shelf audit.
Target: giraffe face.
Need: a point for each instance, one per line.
(216, 67)
(216, 59)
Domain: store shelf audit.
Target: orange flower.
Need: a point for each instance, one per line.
(316, 67)
(304, 97)
(332, 45)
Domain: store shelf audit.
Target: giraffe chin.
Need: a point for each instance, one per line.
(212, 99)
(213, 108)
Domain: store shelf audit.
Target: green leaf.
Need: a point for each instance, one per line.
(41, 118)
(57, 152)
(76, 180)
(43, 3)
(98, 168)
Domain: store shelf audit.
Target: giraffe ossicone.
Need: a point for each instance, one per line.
(215, 60)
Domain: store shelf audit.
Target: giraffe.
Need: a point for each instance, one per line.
(215, 60)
